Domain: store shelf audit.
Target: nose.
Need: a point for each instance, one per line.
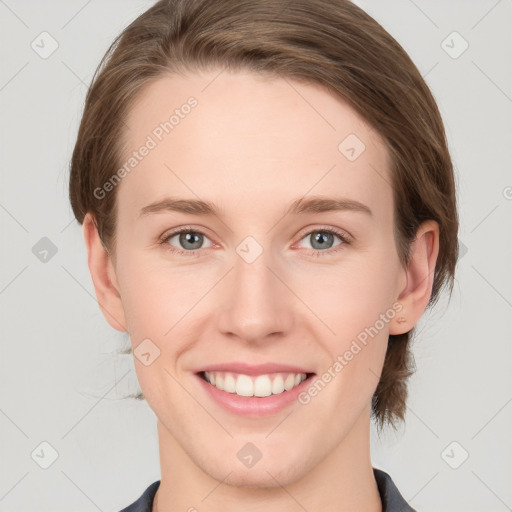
(256, 304)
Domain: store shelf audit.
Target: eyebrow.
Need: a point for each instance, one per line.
(315, 204)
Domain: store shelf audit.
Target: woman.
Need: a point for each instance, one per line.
(268, 205)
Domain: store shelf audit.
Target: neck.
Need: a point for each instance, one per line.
(341, 482)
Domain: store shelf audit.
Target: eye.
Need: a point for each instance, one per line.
(321, 240)
(189, 241)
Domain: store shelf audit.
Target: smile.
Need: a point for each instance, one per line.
(253, 396)
(260, 386)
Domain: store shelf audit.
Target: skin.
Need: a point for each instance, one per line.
(252, 146)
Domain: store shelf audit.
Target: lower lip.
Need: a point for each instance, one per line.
(254, 406)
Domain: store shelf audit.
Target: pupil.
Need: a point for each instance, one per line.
(321, 237)
(188, 238)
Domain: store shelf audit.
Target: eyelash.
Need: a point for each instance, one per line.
(196, 252)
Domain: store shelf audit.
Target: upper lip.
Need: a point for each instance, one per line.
(252, 369)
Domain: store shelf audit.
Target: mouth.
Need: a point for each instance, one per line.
(259, 386)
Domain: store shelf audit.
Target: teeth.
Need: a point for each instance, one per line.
(244, 386)
(229, 383)
(277, 385)
(289, 382)
(262, 385)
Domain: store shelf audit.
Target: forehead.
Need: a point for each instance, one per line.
(249, 142)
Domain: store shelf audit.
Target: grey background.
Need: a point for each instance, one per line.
(62, 381)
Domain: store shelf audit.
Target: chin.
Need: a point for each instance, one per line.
(263, 475)
(259, 478)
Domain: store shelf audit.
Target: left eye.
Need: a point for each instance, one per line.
(322, 239)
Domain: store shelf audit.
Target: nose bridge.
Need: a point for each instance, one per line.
(256, 304)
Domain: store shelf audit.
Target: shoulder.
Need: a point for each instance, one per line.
(145, 502)
(392, 500)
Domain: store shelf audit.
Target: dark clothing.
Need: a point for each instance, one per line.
(392, 500)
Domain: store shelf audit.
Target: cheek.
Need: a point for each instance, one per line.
(348, 296)
(145, 304)
(355, 302)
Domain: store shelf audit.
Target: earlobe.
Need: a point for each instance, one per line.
(414, 297)
(103, 276)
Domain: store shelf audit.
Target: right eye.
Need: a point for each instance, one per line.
(190, 241)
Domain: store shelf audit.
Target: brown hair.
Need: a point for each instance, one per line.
(329, 42)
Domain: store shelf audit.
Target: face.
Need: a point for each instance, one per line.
(256, 281)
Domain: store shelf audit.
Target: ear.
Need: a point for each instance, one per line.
(419, 277)
(103, 276)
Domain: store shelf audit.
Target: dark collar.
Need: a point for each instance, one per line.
(392, 500)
